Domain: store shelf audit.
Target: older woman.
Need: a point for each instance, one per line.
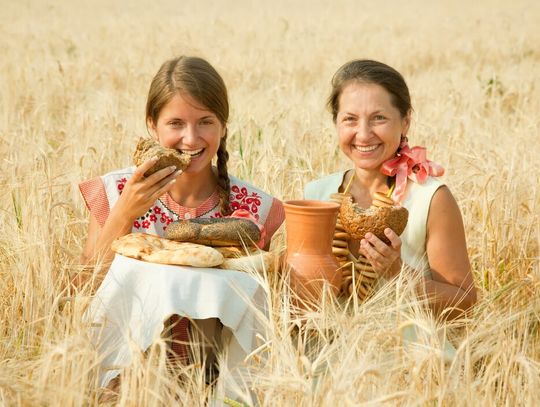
(371, 109)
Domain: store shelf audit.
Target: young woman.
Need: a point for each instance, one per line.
(187, 109)
(371, 109)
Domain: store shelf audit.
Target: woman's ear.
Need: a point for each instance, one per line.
(151, 127)
(406, 123)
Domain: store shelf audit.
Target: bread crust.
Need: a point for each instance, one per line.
(155, 249)
(148, 148)
(358, 221)
(215, 231)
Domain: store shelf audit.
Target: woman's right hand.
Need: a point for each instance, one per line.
(385, 258)
(141, 192)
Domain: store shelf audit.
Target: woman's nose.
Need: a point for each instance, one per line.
(189, 135)
(363, 130)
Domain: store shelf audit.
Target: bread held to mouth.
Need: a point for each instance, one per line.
(148, 148)
(382, 214)
(215, 231)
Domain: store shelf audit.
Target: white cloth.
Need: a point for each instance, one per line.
(136, 298)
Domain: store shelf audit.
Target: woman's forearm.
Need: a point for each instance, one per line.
(97, 251)
(111, 231)
(448, 300)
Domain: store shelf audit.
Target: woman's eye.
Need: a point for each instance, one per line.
(206, 122)
(175, 124)
(379, 117)
(348, 119)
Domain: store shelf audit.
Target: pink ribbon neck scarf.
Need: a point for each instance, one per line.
(410, 163)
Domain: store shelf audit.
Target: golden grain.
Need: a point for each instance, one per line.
(72, 94)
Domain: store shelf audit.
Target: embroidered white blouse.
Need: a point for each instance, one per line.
(101, 193)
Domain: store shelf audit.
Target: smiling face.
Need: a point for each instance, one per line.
(185, 125)
(368, 124)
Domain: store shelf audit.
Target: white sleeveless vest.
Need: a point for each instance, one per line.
(417, 202)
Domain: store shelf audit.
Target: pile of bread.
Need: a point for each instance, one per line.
(228, 243)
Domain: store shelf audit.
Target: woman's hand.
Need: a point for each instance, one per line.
(141, 192)
(138, 195)
(385, 259)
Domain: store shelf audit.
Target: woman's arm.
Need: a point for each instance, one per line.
(452, 287)
(97, 250)
(275, 219)
(137, 196)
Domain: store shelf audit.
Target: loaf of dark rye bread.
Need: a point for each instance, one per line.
(215, 231)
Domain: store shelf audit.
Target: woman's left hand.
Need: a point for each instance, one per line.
(385, 259)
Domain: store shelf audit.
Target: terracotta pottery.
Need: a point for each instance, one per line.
(310, 229)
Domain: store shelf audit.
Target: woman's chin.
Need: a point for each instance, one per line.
(368, 165)
(197, 166)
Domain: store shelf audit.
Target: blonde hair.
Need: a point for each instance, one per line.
(197, 78)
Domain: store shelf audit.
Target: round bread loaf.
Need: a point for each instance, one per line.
(214, 231)
(358, 221)
(148, 148)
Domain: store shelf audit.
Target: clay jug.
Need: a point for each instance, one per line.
(310, 229)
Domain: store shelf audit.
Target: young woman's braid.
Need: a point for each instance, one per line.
(224, 183)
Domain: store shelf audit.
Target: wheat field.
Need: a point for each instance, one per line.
(74, 77)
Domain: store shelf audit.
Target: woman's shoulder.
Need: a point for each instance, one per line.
(419, 196)
(423, 191)
(322, 188)
(101, 192)
(110, 183)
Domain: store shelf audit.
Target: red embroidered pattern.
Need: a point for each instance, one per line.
(241, 198)
(120, 184)
(151, 217)
(145, 221)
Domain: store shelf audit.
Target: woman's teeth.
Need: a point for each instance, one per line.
(193, 153)
(366, 149)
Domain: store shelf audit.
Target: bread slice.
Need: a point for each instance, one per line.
(148, 148)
